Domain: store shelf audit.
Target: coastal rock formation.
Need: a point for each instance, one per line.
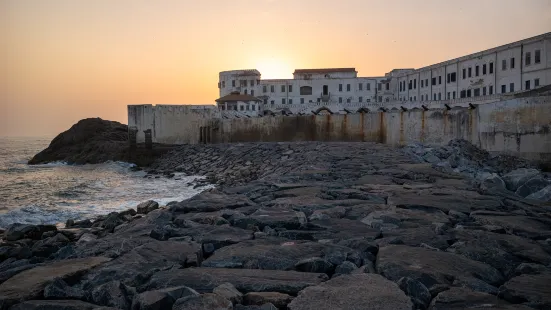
(303, 226)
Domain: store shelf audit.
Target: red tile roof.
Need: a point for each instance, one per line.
(237, 97)
(328, 70)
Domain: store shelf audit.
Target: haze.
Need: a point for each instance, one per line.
(64, 60)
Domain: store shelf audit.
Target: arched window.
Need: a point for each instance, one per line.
(305, 90)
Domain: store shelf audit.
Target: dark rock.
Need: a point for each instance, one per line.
(530, 289)
(161, 299)
(275, 218)
(8, 273)
(345, 268)
(207, 301)
(517, 178)
(211, 201)
(113, 294)
(46, 247)
(315, 264)
(228, 291)
(112, 220)
(147, 206)
(130, 212)
(279, 300)
(532, 186)
(544, 194)
(361, 291)
(524, 226)
(17, 252)
(54, 305)
(462, 298)
(529, 268)
(267, 306)
(59, 289)
(245, 280)
(19, 231)
(419, 294)
(82, 224)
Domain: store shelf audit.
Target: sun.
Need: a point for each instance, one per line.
(272, 68)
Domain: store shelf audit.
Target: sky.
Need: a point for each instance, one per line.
(65, 60)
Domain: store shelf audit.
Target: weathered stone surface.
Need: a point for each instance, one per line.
(517, 178)
(113, 294)
(160, 299)
(314, 264)
(530, 289)
(524, 226)
(419, 294)
(228, 291)
(147, 206)
(543, 194)
(54, 305)
(532, 186)
(362, 291)
(273, 217)
(30, 284)
(462, 298)
(279, 300)
(245, 280)
(59, 289)
(345, 268)
(19, 231)
(207, 301)
(210, 201)
(431, 267)
(493, 181)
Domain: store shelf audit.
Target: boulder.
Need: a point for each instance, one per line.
(493, 181)
(457, 298)
(346, 268)
(207, 301)
(160, 299)
(267, 306)
(113, 294)
(147, 206)
(524, 226)
(279, 300)
(204, 280)
(19, 231)
(228, 291)
(530, 289)
(532, 186)
(54, 305)
(48, 246)
(315, 264)
(544, 194)
(516, 178)
(30, 284)
(59, 289)
(419, 294)
(360, 291)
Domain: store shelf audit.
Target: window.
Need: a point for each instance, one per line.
(361, 99)
(433, 81)
(340, 99)
(476, 70)
(340, 87)
(410, 98)
(347, 87)
(367, 100)
(223, 84)
(464, 73)
(305, 90)
(290, 101)
(245, 91)
(241, 108)
(453, 76)
(491, 68)
(468, 93)
(503, 89)
(439, 79)
(536, 82)
(348, 100)
(282, 88)
(470, 71)
(512, 63)
(484, 91)
(367, 86)
(414, 98)
(434, 97)
(414, 84)
(387, 99)
(257, 82)
(282, 100)
(360, 86)
(453, 94)
(512, 87)
(301, 100)
(400, 86)
(264, 89)
(248, 107)
(232, 83)
(422, 84)
(426, 82)
(449, 95)
(439, 96)
(410, 85)
(527, 85)
(527, 59)
(252, 83)
(504, 65)
(477, 92)
(380, 99)
(490, 89)
(483, 69)
(290, 88)
(448, 78)
(243, 83)
(252, 92)
(272, 102)
(463, 94)
(537, 56)
(272, 88)
(380, 86)
(254, 107)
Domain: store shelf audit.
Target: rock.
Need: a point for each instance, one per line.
(112, 220)
(86, 237)
(530, 289)
(493, 181)
(361, 291)
(419, 294)
(19, 231)
(130, 212)
(113, 294)
(204, 279)
(147, 206)
(279, 300)
(30, 284)
(207, 301)
(528, 268)
(543, 194)
(345, 268)
(524, 226)
(17, 252)
(54, 305)
(267, 306)
(211, 201)
(517, 178)
(161, 299)
(58, 289)
(228, 291)
(314, 264)
(531, 186)
(431, 267)
(457, 298)
(275, 218)
(46, 247)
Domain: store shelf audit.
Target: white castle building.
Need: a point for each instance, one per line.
(480, 77)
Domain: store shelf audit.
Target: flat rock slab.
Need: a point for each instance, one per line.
(219, 236)
(210, 201)
(338, 229)
(54, 305)
(457, 298)
(360, 291)
(525, 226)
(535, 290)
(431, 267)
(445, 200)
(204, 280)
(273, 254)
(273, 217)
(30, 284)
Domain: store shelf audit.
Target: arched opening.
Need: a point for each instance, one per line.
(305, 90)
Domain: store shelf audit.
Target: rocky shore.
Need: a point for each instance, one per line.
(303, 226)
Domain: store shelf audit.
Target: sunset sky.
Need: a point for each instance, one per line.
(64, 60)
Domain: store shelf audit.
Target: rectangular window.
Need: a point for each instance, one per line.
(340, 87)
(241, 107)
(484, 91)
(282, 100)
(439, 79)
(468, 93)
(537, 56)
(360, 86)
(290, 88)
(410, 85)
(264, 89)
(512, 87)
(453, 95)
(290, 101)
(426, 82)
(282, 88)
(491, 90)
(463, 94)
(367, 100)
(422, 84)
(340, 99)
(536, 82)
(252, 92)
(512, 63)
(380, 99)
(477, 92)
(301, 100)
(448, 78)
(272, 88)
(252, 83)
(380, 86)
(367, 86)
(483, 69)
(453, 76)
(491, 68)
(434, 97)
(503, 89)
(245, 91)
(470, 71)
(527, 59)
(248, 107)
(400, 86)
(527, 85)
(464, 73)
(433, 81)
(232, 83)
(361, 99)
(254, 107)
(504, 65)
(347, 87)
(439, 96)
(388, 85)
(449, 95)
(476, 70)
(348, 100)
(272, 102)
(414, 98)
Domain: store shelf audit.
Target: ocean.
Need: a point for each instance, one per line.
(54, 192)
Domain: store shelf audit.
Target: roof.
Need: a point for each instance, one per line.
(327, 70)
(237, 97)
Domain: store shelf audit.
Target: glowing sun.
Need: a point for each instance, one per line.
(274, 69)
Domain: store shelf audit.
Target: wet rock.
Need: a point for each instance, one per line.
(457, 298)
(19, 231)
(530, 289)
(204, 279)
(362, 291)
(315, 264)
(147, 206)
(228, 291)
(517, 178)
(59, 289)
(207, 301)
(279, 300)
(345, 268)
(419, 294)
(54, 305)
